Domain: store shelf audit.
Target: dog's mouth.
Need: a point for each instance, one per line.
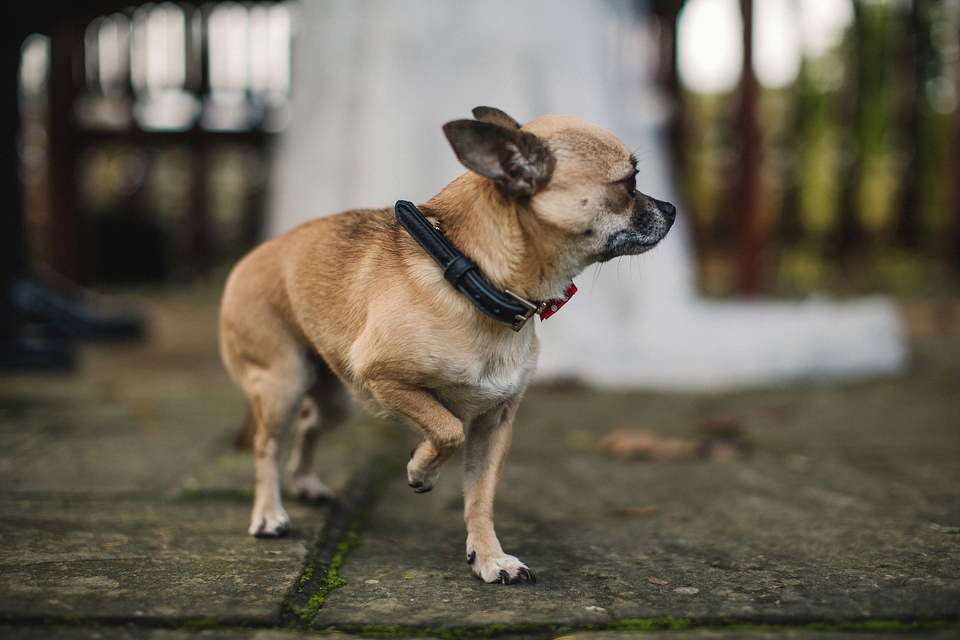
(648, 226)
(628, 242)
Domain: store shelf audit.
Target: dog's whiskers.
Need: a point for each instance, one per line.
(596, 274)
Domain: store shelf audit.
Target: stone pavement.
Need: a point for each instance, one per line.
(123, 510)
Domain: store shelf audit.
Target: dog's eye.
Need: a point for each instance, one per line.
(630, 182)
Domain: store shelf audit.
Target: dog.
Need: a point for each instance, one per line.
(421, 312)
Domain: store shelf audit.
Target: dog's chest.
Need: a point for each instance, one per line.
(494, 373)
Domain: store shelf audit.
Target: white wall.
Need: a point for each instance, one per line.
(374, 80)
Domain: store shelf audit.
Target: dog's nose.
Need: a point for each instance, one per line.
(668, 210)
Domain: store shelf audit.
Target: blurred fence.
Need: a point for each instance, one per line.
(146, 135)
(846, 176)
(147, 132)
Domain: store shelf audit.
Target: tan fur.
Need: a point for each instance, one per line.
(351, 304)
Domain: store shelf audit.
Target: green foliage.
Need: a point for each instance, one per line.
(860, 164)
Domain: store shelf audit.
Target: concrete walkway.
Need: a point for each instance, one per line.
(123, 511)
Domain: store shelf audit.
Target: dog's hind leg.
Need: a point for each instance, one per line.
(275, 392)
(487, 443)
(328, 404)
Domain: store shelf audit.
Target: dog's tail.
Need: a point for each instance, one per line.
(245, 438)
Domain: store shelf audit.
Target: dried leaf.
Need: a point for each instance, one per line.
(631, 443)
(719, 439)
(658, 581)
(625, 443)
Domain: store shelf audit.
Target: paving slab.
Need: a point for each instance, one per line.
(152, 560)
(122, 498)
(832, 517)
(123, 509)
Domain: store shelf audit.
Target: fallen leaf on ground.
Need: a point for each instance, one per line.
(629, 443)
(658, 581)
(719, 439)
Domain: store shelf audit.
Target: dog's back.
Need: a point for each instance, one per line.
(267, 304)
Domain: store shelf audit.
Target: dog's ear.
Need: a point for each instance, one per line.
(495, 116)
(520, 162)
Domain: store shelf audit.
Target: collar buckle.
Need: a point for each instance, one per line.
(530, 309)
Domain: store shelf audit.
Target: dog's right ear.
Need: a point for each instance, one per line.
(495, 116)
(520, 162)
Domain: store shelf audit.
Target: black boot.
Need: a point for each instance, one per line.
(35, 353)
(71, 317)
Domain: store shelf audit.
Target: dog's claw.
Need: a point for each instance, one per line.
(472, 557)
(418, 486)
(504, 577)
(527, 576)
(279, 532)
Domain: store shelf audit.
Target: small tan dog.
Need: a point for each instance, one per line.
(354, 303)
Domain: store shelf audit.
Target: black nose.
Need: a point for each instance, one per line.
(668, 210)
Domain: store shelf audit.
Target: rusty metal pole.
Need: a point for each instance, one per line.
(67, 229)
(953, 184)
(749, 241)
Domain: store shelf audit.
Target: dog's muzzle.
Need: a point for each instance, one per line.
(668, 210)
(649, 224)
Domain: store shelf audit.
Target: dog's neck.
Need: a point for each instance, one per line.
(508, 243)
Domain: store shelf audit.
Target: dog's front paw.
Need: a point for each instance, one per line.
(311, 489)
(274, 524)
(501, 569)
(419, 476)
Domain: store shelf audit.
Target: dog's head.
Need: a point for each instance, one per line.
(575, 177)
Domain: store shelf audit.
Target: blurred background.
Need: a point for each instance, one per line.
(852, 112)
(147, 134)
(817, 244)
(813, 146)
(833, 163)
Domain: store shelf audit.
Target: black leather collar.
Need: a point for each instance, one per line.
(463, 273)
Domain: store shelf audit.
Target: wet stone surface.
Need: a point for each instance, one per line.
(829, 516)
(123, 509)
(130, 558)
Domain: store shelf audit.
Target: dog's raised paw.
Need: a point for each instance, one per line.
(501, 570)
(420, 482)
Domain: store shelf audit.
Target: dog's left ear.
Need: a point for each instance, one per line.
(520, 162)
(495, 116)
